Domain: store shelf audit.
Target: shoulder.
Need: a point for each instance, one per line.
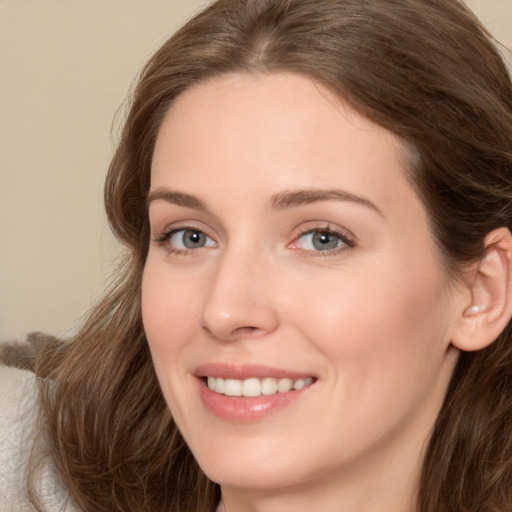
(18, 414)
(18, 389)
(15, 384)
(17, 401)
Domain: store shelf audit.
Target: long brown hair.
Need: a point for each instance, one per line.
(426, 70)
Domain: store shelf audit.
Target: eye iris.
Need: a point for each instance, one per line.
(324, 241)
(193, 239)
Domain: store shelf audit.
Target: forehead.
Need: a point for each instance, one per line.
(264, 131)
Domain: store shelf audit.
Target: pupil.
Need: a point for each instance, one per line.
(193, 239)
(324, 241)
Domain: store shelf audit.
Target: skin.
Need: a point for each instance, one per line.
(372, 320)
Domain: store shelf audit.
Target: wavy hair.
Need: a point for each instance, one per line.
(426, 70)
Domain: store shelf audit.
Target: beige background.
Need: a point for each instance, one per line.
(65, 69)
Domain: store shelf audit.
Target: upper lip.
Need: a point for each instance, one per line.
(246, 371)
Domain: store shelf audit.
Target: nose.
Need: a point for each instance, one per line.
(239, 302)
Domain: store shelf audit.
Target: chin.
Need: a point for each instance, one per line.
(252, 464)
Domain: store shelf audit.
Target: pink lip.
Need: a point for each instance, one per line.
(230, 371)
(244, 409)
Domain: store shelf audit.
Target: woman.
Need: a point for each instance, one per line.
(314, 312)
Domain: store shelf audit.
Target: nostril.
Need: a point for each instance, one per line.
(247, 331)
(207, 330)
(238, 332)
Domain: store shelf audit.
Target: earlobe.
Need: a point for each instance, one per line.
(490, 307)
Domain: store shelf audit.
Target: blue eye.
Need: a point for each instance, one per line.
(318, 240)
(189, 239)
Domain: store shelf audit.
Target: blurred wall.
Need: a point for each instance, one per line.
(65, 69)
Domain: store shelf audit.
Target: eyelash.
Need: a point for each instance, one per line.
(347, 241)
(164, 239)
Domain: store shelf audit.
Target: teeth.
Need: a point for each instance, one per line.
(251, 387)
(232, 387)
(268, 386)
(220, 385)
(284, 385)
(255, 387)
(299, 384)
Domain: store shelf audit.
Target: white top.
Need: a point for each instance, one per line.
(17, 414)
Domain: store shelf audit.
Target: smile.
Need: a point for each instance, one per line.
(254, 387)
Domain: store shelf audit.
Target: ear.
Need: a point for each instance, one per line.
(489, 307)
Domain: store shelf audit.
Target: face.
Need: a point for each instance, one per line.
(293, 301)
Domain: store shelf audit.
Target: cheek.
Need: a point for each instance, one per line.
(168, 318)
(378, 328)
(167, 309)
(386, 355)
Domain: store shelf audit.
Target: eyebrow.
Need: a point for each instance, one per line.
(294, 198)
(280, 201)
(175, 197)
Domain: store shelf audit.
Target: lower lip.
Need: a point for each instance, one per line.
(246, 409)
